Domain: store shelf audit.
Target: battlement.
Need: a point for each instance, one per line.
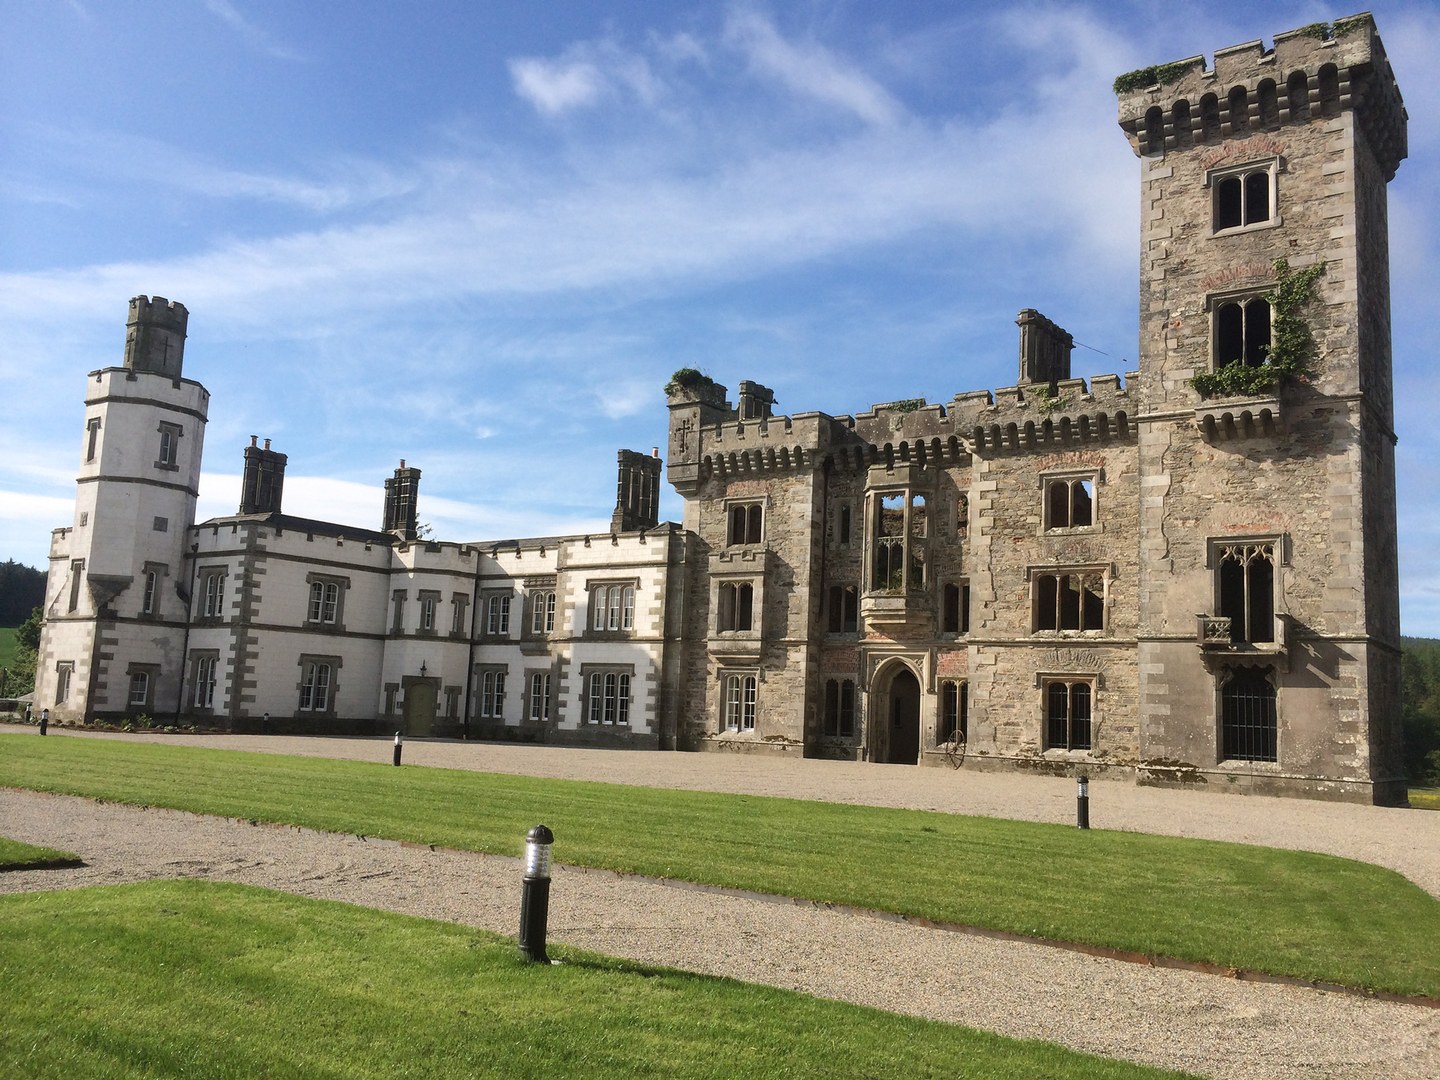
(1313, 72)
(1012, 419)
(155, 335)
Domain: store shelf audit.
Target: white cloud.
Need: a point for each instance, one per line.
(810, 69)
(252, 34)
(556, 86)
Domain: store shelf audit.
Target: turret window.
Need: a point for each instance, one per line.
(1242, 331)
(1243, 196)
(169, 446)
(745, 523)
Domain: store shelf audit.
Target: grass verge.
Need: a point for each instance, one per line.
(17, 856)
(1259, 909)
(1425, 798)
(184, 978)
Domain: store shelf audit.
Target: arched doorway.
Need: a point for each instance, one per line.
(902, 701)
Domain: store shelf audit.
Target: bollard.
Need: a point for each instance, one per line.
(399, 742)
(44, 720)
(535, 894)
(1082, 802)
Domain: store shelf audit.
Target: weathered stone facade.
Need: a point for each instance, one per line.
(1141, 575)
(1197, 590)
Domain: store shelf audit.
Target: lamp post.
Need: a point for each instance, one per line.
(399, 743)
(1082, 802)
(535, 894)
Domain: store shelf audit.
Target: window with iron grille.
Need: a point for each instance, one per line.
(954, 725)
(1248, 730)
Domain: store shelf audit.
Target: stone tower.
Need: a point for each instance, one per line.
(1269, 590)
(119, 585)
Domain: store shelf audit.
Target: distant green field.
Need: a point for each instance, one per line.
(7, 646)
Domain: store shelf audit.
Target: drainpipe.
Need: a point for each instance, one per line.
(470, 649)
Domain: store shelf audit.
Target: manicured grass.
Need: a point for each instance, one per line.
(17, 856)
(1259, 909)
(1425, 798)
(184, 978)
(7, 646)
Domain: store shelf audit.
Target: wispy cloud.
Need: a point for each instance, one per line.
(810, 69)
(254, 36)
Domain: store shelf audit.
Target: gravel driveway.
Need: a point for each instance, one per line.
(1204, 1023)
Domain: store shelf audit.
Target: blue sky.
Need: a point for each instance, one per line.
(480, 236)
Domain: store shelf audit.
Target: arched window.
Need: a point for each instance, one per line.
(1154, 130)
(1242, 332)
(1242, 197)
(1210, 118)
(745, 521)
(1247, 591)
(1329, 91)
(1269, 103)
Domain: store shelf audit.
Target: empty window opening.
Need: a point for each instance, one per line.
(955, 608)
(1247, 591)
(840, 708)
(1069, 602)
(745, 523)
(1242, 332)
(843, 609)
(1070, 503)
(1242, 199)
(737, 602)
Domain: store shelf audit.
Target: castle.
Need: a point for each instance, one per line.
(1188, 576)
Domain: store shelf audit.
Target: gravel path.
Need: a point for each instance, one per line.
(1204, 1023)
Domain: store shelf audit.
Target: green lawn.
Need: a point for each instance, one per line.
(17, 856)
(7, 646)
(187, 979)
(1425, 798)
(1260, 909)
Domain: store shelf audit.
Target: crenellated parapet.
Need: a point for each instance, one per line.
(1312, 73)
(1015, 419)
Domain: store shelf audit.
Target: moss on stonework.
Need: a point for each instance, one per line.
(688, 378)
(1154, 75)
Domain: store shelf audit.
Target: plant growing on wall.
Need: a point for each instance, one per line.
(688, 378)
(1155, 75)
(1292, 345)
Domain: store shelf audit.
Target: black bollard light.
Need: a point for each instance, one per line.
(399, 742)
(1082, 802)
(44, 720)
(535, 894)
